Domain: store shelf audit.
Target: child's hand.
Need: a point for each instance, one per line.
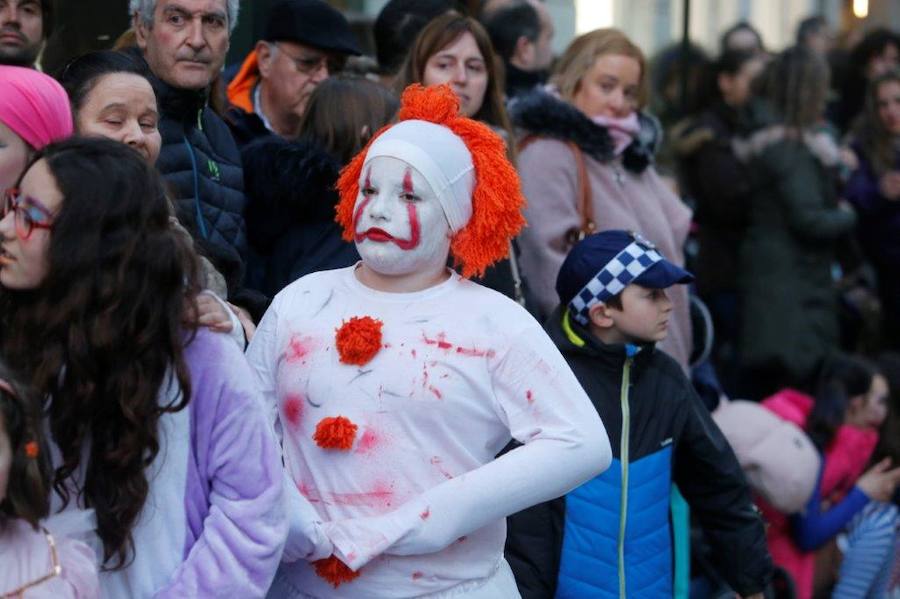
(212, 314)
(245, 320)
(879, 483)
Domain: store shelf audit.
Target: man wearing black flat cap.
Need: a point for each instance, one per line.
(305, 42)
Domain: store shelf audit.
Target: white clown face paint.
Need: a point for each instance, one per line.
(399, 224)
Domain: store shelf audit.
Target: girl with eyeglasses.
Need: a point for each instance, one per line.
(155, 423)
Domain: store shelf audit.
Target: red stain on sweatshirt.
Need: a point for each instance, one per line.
(474, 352)
(425, 514)
(293, 409)
(297, 349)
(529, 396)
(368, 441)
(440, 342)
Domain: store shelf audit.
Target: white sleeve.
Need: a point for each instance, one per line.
(565, 444)
(306, 539)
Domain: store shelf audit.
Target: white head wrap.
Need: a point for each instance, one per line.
(440, 156)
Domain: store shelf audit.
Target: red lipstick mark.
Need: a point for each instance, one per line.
(293, 409)
(529, 396)
(440, 342)
(426, 514)
(437, 393)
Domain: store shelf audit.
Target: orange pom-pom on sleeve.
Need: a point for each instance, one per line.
(358, 340)
(335, 433)
(334, 571)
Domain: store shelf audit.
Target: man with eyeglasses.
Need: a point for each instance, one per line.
(305, 42)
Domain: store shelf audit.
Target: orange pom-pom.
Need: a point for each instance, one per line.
(32, 449)
(335, 433)
(358, 340)
(497, 200)
(334, 571)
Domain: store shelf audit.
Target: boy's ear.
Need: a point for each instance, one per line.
(599, 315)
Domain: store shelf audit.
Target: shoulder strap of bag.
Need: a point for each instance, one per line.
(584, 200)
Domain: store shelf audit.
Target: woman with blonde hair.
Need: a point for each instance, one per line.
(586, 162)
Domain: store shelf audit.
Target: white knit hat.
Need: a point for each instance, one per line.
(440, 156)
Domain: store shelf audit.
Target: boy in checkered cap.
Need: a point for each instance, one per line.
(613, 535)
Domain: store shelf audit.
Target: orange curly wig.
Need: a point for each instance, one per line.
(497, 200)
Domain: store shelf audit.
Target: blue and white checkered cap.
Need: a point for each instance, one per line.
(618, 273)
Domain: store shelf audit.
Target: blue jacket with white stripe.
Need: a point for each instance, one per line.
(611, 537)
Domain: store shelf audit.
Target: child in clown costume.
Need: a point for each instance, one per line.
(392, 384)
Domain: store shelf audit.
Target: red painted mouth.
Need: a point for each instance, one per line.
(377, 235)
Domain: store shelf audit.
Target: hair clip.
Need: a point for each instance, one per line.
(32, 449)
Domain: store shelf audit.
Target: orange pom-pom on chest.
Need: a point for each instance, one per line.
(334, 571)
(335, 433)
(358, 340)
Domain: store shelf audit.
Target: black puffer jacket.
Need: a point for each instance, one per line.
(202, 168)
(290, 215)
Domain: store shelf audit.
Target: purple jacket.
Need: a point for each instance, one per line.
(879, 224)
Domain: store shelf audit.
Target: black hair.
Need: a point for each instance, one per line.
(506, 25)
(872, 45)
(842, 378)
(81, 75)
(28, 487)
(739, 26)
(810, 26)
(112, 313)
(889, 435)
(47, 15)
(397, 26)
(730, 62)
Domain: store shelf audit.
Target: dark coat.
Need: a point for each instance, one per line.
(665, 413)
(790, 313)
(721, 186)
(290, 217)
(202, 168)
(879, 232)
(246, 127)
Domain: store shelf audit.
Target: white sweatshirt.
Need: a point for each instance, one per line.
(417, 506)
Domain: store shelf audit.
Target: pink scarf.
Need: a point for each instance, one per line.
(34, 106)
(623, 130)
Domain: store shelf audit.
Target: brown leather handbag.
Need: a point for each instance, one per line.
(584, 200)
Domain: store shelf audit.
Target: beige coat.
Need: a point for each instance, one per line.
(622, 200)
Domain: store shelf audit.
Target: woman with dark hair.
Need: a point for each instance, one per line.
(152, 420)
(721, 187)
(789, 320)
(456, 50)
(874, 190)
(290, 220)
(111, 96)
(843, 421)
(877, 53)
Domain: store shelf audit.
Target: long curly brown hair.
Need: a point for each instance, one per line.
(104, 330)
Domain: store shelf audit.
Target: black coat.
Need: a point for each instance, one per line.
(664, 408)
(290, 216)
(721, 185)
(201, 165)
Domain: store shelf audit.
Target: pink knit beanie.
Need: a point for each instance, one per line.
(34, 106)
